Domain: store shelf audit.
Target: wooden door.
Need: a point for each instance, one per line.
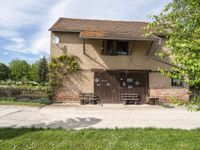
(106, 86)
(109, 85)
(134, 82)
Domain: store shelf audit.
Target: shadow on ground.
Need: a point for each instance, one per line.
(15, 131)
(69, 123)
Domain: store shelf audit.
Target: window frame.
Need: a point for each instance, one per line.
(126, 50)
(113, 50)
(176, 83)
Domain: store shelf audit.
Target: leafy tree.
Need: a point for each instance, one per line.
(43, 70)
(33, 72)
(180, 23)
(4, 72)
(18, 69)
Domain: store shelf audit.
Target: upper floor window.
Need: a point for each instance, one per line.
(122, 48)
(113, 47)
(176, 82)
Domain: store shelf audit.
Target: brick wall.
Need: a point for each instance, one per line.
(160, 86)
(166, 95)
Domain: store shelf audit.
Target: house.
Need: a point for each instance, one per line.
(114, 58)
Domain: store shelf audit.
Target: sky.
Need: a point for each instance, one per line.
(24, 24)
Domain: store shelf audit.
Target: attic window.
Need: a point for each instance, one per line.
(114, 47)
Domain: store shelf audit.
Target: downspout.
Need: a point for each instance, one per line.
(152, 54)
(156, 58)
(159, 43)
(84, 46)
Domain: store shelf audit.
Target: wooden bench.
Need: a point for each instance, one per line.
(88, 98)
(130, 98)
(152, 100)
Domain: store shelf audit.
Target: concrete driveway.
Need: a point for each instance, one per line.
(107, 116)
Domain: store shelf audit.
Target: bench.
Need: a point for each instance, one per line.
(88, 98)
(128, 98)
(152, 100)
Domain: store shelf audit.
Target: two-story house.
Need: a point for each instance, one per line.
(115, 58)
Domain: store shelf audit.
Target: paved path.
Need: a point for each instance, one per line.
(107, 116)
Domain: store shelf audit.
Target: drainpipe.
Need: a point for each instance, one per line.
(84, 46)
(159, 43)
(156, 58)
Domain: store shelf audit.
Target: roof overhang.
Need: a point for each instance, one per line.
(107, 35)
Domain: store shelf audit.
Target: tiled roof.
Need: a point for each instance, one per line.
(102, 29)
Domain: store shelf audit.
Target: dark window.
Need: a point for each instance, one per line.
(113, 47)
(122, 48)
(176, 82)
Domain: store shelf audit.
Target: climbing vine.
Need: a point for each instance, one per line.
(59, 69)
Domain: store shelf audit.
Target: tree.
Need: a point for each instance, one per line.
(18, 70)
(43, 70)
(4, 72)
(180, 23)
(33, 72)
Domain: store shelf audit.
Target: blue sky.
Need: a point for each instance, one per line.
(24, 24)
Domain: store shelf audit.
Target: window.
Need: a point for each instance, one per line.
(176, 82)
(113, 47)
(122, 48)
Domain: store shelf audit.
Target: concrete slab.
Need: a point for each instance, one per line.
(107, 116)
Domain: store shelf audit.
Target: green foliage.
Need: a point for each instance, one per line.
(29, 85)
(33, 72)
(60, 67)
(18, 70)
(180, 23)
(178, 102)
(4, 72)
(194, 104)
(22, 103)
(43, 70)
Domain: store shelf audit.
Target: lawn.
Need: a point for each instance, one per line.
(99, 139)
(33, 104)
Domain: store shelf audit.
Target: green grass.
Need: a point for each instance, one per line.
(99, 139)
(33, 104)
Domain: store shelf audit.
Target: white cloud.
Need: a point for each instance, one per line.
(83, 9)
(41, 41)
(16, 16)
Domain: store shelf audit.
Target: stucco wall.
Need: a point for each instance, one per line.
(70, 43)
(81, 81)
(73, 45)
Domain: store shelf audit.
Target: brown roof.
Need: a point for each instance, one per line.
(102, 29)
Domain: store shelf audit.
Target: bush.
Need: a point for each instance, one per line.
(8, 99)
(23, 93)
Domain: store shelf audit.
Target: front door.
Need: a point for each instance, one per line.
(109, 85)
(106, 86)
